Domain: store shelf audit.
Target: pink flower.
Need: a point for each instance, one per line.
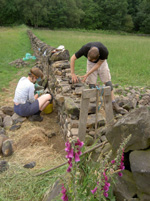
(69, 169)
(64, 196)
(113, 161)
(105, 194)
(79, 143)
(120, 174)
(77, 159)
(94, 190)
(68, 146)
(70, 154)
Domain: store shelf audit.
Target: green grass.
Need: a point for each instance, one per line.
(14, 44)
(20, 184)
(128, 60)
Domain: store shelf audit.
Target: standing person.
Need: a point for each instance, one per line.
(27, 104)
(96, 54)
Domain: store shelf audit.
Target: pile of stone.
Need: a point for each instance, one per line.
(8, 120)
(19, 63)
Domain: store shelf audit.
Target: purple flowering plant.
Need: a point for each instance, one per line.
(88, 180)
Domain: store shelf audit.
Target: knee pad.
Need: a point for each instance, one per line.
(109, 83)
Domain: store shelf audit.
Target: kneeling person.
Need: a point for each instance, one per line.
(26, 104)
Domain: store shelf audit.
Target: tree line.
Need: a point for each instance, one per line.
(123, 15)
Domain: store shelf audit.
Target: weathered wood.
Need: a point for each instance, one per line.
(89, 93)
(97, 102)
(108, 106)
(83, 118)
(85, 99)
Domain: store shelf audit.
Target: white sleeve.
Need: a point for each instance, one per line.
(31, 93)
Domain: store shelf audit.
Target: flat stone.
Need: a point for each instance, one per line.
(2, 139)
(15, 127)
(8, 110)
(16, 118)
(30, 165)
(7, 121)
(7, 148)
(3, 166)
(74, 131)
(2, 130)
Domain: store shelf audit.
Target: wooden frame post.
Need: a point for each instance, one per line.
(85, 100)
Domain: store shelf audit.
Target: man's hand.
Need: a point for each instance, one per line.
(84, 77)
(74, 78)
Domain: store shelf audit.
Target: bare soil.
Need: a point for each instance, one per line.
(33, 141)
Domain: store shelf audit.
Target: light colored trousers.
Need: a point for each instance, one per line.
(103, 72)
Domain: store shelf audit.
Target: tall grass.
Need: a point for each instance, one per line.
(20, 184)
(128, 60)
(14, 44)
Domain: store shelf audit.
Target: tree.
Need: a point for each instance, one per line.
(9, 13)
(112, 13)
(90, 18)
(143, 16)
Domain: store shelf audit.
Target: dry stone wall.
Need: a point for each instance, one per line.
(67, 96)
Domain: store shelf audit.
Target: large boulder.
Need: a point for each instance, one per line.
(140, 166)
(135, 123)
(125, 187)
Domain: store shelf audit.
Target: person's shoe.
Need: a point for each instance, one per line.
(118, 109)
(35, 118)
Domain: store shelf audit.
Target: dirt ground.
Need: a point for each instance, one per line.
(41, 142)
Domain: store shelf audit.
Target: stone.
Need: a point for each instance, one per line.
(2, 115)
(59, 99)
(14, 127)
(135, 123)
(30, 165)
(50, 135)
(1, 121)
(66, 89)
(89, 140)
(52, 194)
(125, 187)
(103, 138)
(16, 118)
(107, 148)
(2, 139)
(74, 123)
(3, 166)
(61, 55)
(7, 149)
(91, 120)
(2, 130)
(71, 107)
(92, 108)
(7, 110)
(140, 166)
(78, 90)
(74, 131)
(57, 72)
(7, 121)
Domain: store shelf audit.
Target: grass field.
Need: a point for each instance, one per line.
(14, 44)
(128, 60)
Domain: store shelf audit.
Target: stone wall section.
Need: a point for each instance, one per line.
(67, 96)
